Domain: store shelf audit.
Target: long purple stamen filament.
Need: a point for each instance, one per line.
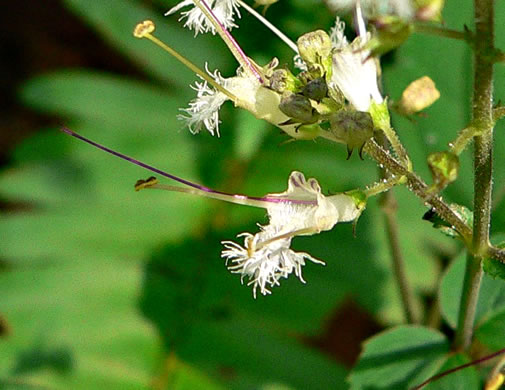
(201, 190)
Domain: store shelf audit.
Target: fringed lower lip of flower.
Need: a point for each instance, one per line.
(266, 256)
(225, 11)
(264, 264)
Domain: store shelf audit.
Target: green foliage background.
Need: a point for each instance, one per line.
(101, 286)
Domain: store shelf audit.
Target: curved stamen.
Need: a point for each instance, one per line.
(228, 39)
(145, 30)
(264, 202)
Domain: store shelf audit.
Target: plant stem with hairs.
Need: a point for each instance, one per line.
(483, 168)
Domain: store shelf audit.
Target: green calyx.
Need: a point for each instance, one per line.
(282, 80)
(353, 128)
(380, 114)
(444, 168)
(359, 198)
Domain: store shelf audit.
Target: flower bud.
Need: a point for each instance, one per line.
(419, 95)
(352, 127)
(316, 89)
(444, 168)
(299, 108)
(283, 80)
(315, 49)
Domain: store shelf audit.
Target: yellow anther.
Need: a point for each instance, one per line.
(141, 184)
(143, 29)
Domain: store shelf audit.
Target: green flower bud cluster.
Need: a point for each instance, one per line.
(308, 100)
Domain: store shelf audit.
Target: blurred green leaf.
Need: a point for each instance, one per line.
(87, 333)
(207, 317)
(490, 332)
(491, 295)
(115, 21)
(107, 99)
(494, 268)
(465, 379)
(399, 358)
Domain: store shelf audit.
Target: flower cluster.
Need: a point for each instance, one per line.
(336, 89)
(334, 72)
(337, 85)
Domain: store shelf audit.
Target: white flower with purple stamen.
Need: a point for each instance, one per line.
(224, 10)
(266, 256)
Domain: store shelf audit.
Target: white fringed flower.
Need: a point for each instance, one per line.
(224, 10)
(249, 94)
(266, 257)
(266, 266)
(204, 110)
(354, 73)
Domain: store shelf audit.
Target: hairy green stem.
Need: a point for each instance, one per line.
(483, 168)
(463, 139)
(420, 188)
(468, 303)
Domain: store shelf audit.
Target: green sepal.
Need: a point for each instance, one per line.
(359, 197)
(282, 80)
(444, 167)
(327, 106)
(380, 114)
